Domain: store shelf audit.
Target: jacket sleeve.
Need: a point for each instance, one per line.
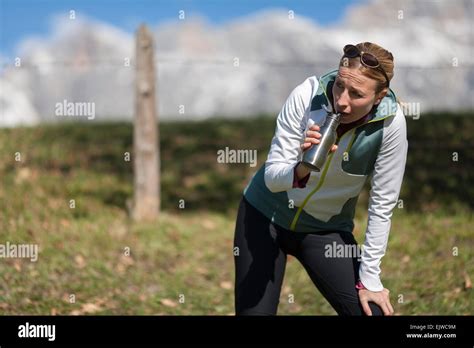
(289, 135)
(385, 189)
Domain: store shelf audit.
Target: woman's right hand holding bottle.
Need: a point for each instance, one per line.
(312, 137)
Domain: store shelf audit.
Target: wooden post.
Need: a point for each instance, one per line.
(145, 134)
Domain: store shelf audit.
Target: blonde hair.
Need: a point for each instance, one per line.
(384, 57)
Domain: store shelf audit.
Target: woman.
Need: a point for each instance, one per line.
(286, 209)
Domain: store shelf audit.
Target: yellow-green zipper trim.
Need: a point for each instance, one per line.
(320, 183)
(326, 167)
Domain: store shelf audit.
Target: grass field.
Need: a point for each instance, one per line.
(94, 260)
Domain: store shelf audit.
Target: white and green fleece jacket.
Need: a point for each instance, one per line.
(375, 150)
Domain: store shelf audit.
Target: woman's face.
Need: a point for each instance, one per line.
(354, 94)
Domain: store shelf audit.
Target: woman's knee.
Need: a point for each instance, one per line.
(375, 309)
(355, 309)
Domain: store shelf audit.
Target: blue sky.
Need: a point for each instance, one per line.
(22, 18)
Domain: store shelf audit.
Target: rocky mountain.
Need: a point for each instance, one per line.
(242, 68)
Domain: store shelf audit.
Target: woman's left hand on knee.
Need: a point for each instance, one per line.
(380, 298)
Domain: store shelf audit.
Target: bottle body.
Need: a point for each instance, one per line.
(315, 157)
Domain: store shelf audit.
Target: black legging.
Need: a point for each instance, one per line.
(260, 262)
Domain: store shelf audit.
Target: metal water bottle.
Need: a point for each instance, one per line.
(315, 157)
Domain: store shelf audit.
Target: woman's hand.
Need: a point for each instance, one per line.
(381, 298)
(312, 137)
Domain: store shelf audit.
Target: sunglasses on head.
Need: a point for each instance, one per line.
(366, 59)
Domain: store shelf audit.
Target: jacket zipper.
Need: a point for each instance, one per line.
(323, 175)
(320, 183)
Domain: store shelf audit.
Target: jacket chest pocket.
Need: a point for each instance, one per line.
(360, 158)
